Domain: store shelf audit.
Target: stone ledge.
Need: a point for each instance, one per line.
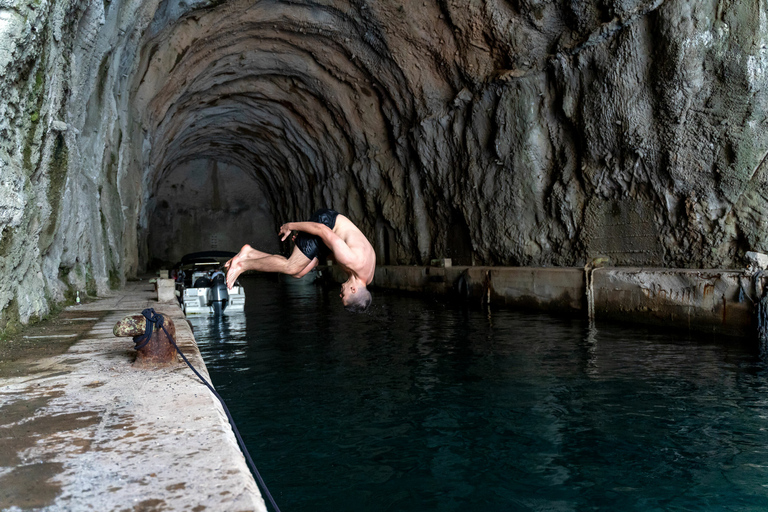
(706, 300)
(701, 300)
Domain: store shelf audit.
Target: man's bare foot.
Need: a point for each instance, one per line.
(234, 270)
(235, 267)
(245, 252)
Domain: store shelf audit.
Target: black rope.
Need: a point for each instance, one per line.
(156, 318)
(152, 319)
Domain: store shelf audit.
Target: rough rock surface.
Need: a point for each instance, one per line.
(522, 132)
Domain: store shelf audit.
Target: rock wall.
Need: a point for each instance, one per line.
(522, 132)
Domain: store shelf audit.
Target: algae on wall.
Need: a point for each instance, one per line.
(25, 172)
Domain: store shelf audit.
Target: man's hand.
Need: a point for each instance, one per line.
(285, 230)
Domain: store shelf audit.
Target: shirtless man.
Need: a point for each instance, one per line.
(327, 232)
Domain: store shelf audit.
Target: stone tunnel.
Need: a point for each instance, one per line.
(493, 132)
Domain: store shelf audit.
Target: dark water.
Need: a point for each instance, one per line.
(420, 406)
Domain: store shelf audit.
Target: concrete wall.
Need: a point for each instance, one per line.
(717, 301)
(702, 300)
(205, 205)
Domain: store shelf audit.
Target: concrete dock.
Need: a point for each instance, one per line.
(84, 430)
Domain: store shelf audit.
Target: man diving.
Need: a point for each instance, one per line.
(326, 233)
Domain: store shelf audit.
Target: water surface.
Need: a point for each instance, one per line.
(419, 406)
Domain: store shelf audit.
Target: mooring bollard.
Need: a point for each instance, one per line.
(158, 350)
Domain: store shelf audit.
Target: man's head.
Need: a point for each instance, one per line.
(355, 296)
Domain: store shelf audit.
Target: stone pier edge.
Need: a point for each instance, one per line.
(147, 439)
(705, 300)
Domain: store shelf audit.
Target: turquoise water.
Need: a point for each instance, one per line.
(420, 406)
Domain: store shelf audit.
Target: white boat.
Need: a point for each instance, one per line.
(202, 285)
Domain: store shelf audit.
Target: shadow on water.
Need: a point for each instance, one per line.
(417, 405)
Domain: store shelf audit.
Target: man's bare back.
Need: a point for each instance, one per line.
(364, 263)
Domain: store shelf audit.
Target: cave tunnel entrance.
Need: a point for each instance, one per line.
(458, 243)
(385, 243)
(204, 205)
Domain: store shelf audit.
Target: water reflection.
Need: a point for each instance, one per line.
(224, 337)
(590, 342)
(225, 326)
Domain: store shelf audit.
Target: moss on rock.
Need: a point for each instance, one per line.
(7, 241)
(57, 176)
(10, 322)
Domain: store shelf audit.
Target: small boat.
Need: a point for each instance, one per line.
(202, 285)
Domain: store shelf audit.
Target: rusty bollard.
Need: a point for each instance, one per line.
(158, 351)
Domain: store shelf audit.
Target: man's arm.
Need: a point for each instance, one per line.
(340, 249)
(313, 228)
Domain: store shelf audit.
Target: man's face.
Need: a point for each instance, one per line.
(346, 292)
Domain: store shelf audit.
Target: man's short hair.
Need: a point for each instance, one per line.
(360, 301)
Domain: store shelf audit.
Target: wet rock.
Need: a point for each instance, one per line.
(132, 325)
(757, 261)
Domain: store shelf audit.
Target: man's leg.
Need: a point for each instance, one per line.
(312, 264)
(252, 259)
(246, 252)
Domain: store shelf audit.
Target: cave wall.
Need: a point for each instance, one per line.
(516, 132)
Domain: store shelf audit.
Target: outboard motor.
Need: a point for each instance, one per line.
(202, 282)
(219, 294)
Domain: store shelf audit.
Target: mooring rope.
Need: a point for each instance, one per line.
(761, 311)
(157, 319)
(150, 315)
(589, 278)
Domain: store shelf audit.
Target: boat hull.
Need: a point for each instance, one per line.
(202, 301)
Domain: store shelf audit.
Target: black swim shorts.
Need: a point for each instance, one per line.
(312, 245)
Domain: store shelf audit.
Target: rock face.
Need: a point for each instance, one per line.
(520, 132)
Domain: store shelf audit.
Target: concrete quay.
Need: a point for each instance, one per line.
(717, 301)
(85, 430)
